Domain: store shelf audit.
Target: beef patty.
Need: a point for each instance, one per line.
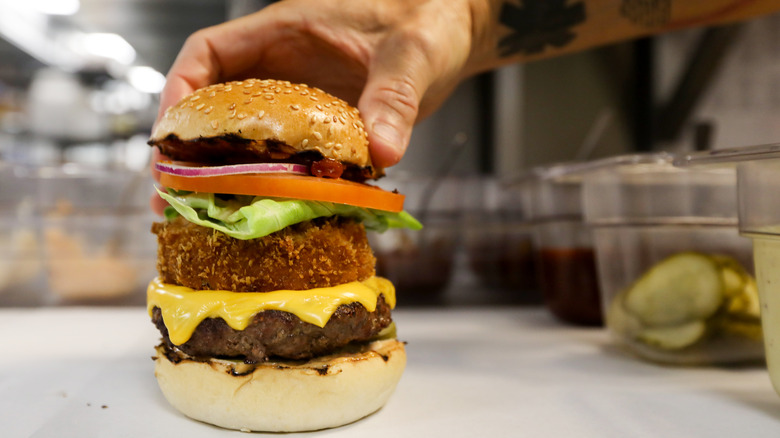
(273, 333)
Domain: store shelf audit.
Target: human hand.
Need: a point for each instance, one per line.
(396, 60)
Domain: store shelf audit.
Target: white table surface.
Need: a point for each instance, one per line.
(514, 372)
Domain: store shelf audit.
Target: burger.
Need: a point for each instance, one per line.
(271, 313)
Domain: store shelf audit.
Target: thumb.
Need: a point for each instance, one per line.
(390, 104)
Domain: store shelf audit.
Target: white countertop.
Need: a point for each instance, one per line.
(87, 372)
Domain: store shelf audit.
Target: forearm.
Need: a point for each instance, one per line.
(510, 31)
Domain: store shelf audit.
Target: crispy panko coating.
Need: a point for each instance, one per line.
(319, 253)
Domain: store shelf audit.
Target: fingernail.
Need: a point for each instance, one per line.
(389, 134)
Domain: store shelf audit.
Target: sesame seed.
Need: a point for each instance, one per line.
(295, 107)
(228, 88)
(297, 88)
(208, 110)
(260, 114)
(327, 105)
(304, 93)
(313, 98)
(214, 124)
(194, 98)
(246, 91)
(319, 107)
(335, 119)
(354, 125)
(238, 83)
(338, 146)
(212, 94)
(268, 96)
(343, 122)
(232, 106)
(305, 142)
(232, 114)
(200, 106)
(326, 121)
(249, 83)
(317, 135)
(248, 101)
(241, 116)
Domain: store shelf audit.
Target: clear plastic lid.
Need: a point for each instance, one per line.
(656, 192)
(758, 183)
(554, 192)
(729, 156)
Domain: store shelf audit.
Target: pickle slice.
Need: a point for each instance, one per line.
(674, 337)
(746, 302)
(683, 288)
(621, 321)
(735, 277)
(742, 325)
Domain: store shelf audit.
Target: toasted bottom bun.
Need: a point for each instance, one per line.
(325, 392)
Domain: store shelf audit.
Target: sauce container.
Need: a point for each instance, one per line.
(498, 241)
(564, 254)
(676, 277)
(420, 263)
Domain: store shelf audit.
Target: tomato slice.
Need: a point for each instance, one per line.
(309, 188)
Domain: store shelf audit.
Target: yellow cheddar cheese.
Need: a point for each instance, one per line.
(184, 308)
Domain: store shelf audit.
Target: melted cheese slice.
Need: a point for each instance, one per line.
(184, 308)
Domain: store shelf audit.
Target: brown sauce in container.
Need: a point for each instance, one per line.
(569, 284)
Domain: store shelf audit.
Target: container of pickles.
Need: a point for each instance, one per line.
(758, 175)
(676, 277)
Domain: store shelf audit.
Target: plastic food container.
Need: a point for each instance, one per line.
(75, 235)
(95, 234)
(21, 268)
(564, 253)
(676, 277)
(498, 240)
(758, 172)
(420, 262)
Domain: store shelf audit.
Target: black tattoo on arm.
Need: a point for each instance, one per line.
(649, 13)
(537, 24)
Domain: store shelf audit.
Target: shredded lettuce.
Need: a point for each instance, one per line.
(248, 217)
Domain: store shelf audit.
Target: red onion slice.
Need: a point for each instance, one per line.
(231, 169)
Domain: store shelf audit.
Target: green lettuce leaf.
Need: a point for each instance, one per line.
(248, 217)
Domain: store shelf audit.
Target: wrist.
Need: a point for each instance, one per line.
(483, 55)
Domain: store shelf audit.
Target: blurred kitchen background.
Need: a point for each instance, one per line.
(78, 93)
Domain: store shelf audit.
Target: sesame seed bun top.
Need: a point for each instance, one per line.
(265, 118)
